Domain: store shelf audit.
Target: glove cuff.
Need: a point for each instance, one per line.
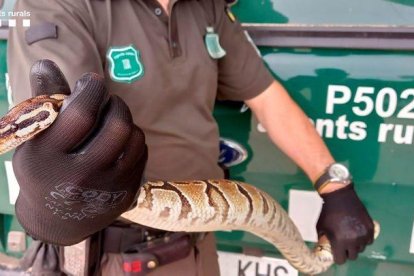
(344, 192)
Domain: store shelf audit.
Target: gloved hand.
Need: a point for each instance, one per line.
(84, 171)
(346, 223)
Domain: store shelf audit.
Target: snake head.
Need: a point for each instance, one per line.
(27, 119)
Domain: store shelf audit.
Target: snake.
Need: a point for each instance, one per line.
(188, 206)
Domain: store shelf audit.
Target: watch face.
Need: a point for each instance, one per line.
(338, 171)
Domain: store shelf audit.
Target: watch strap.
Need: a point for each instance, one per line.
(326, 178)
(322, 181)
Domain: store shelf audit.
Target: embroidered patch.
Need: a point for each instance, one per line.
(125, 64)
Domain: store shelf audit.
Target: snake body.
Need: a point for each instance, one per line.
(212, 205)
(190, 206)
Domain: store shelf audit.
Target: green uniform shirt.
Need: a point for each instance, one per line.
(158, 64)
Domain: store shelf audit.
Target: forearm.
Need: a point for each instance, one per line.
(290, 129)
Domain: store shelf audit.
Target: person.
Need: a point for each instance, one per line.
(168, 60)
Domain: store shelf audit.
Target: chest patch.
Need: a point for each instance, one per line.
(125, 64)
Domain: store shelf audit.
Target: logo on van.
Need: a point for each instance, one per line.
(231, 153)
(125, 64)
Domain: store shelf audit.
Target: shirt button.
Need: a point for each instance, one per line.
(158, 11)
(174, 44)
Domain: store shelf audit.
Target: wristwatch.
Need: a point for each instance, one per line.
(336, 172)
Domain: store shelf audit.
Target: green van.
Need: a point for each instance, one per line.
(350, 66)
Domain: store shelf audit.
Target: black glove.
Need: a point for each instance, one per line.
(84, 171)
(346, 223)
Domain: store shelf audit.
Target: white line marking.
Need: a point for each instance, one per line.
(12, 22)
(12, 183)
(412, 241)
(26, 23)
(304, 210)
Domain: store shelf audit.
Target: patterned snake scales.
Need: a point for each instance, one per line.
(193, 206)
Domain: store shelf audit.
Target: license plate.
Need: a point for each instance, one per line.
(233, 264)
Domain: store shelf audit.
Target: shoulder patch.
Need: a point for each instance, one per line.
(41, 31)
